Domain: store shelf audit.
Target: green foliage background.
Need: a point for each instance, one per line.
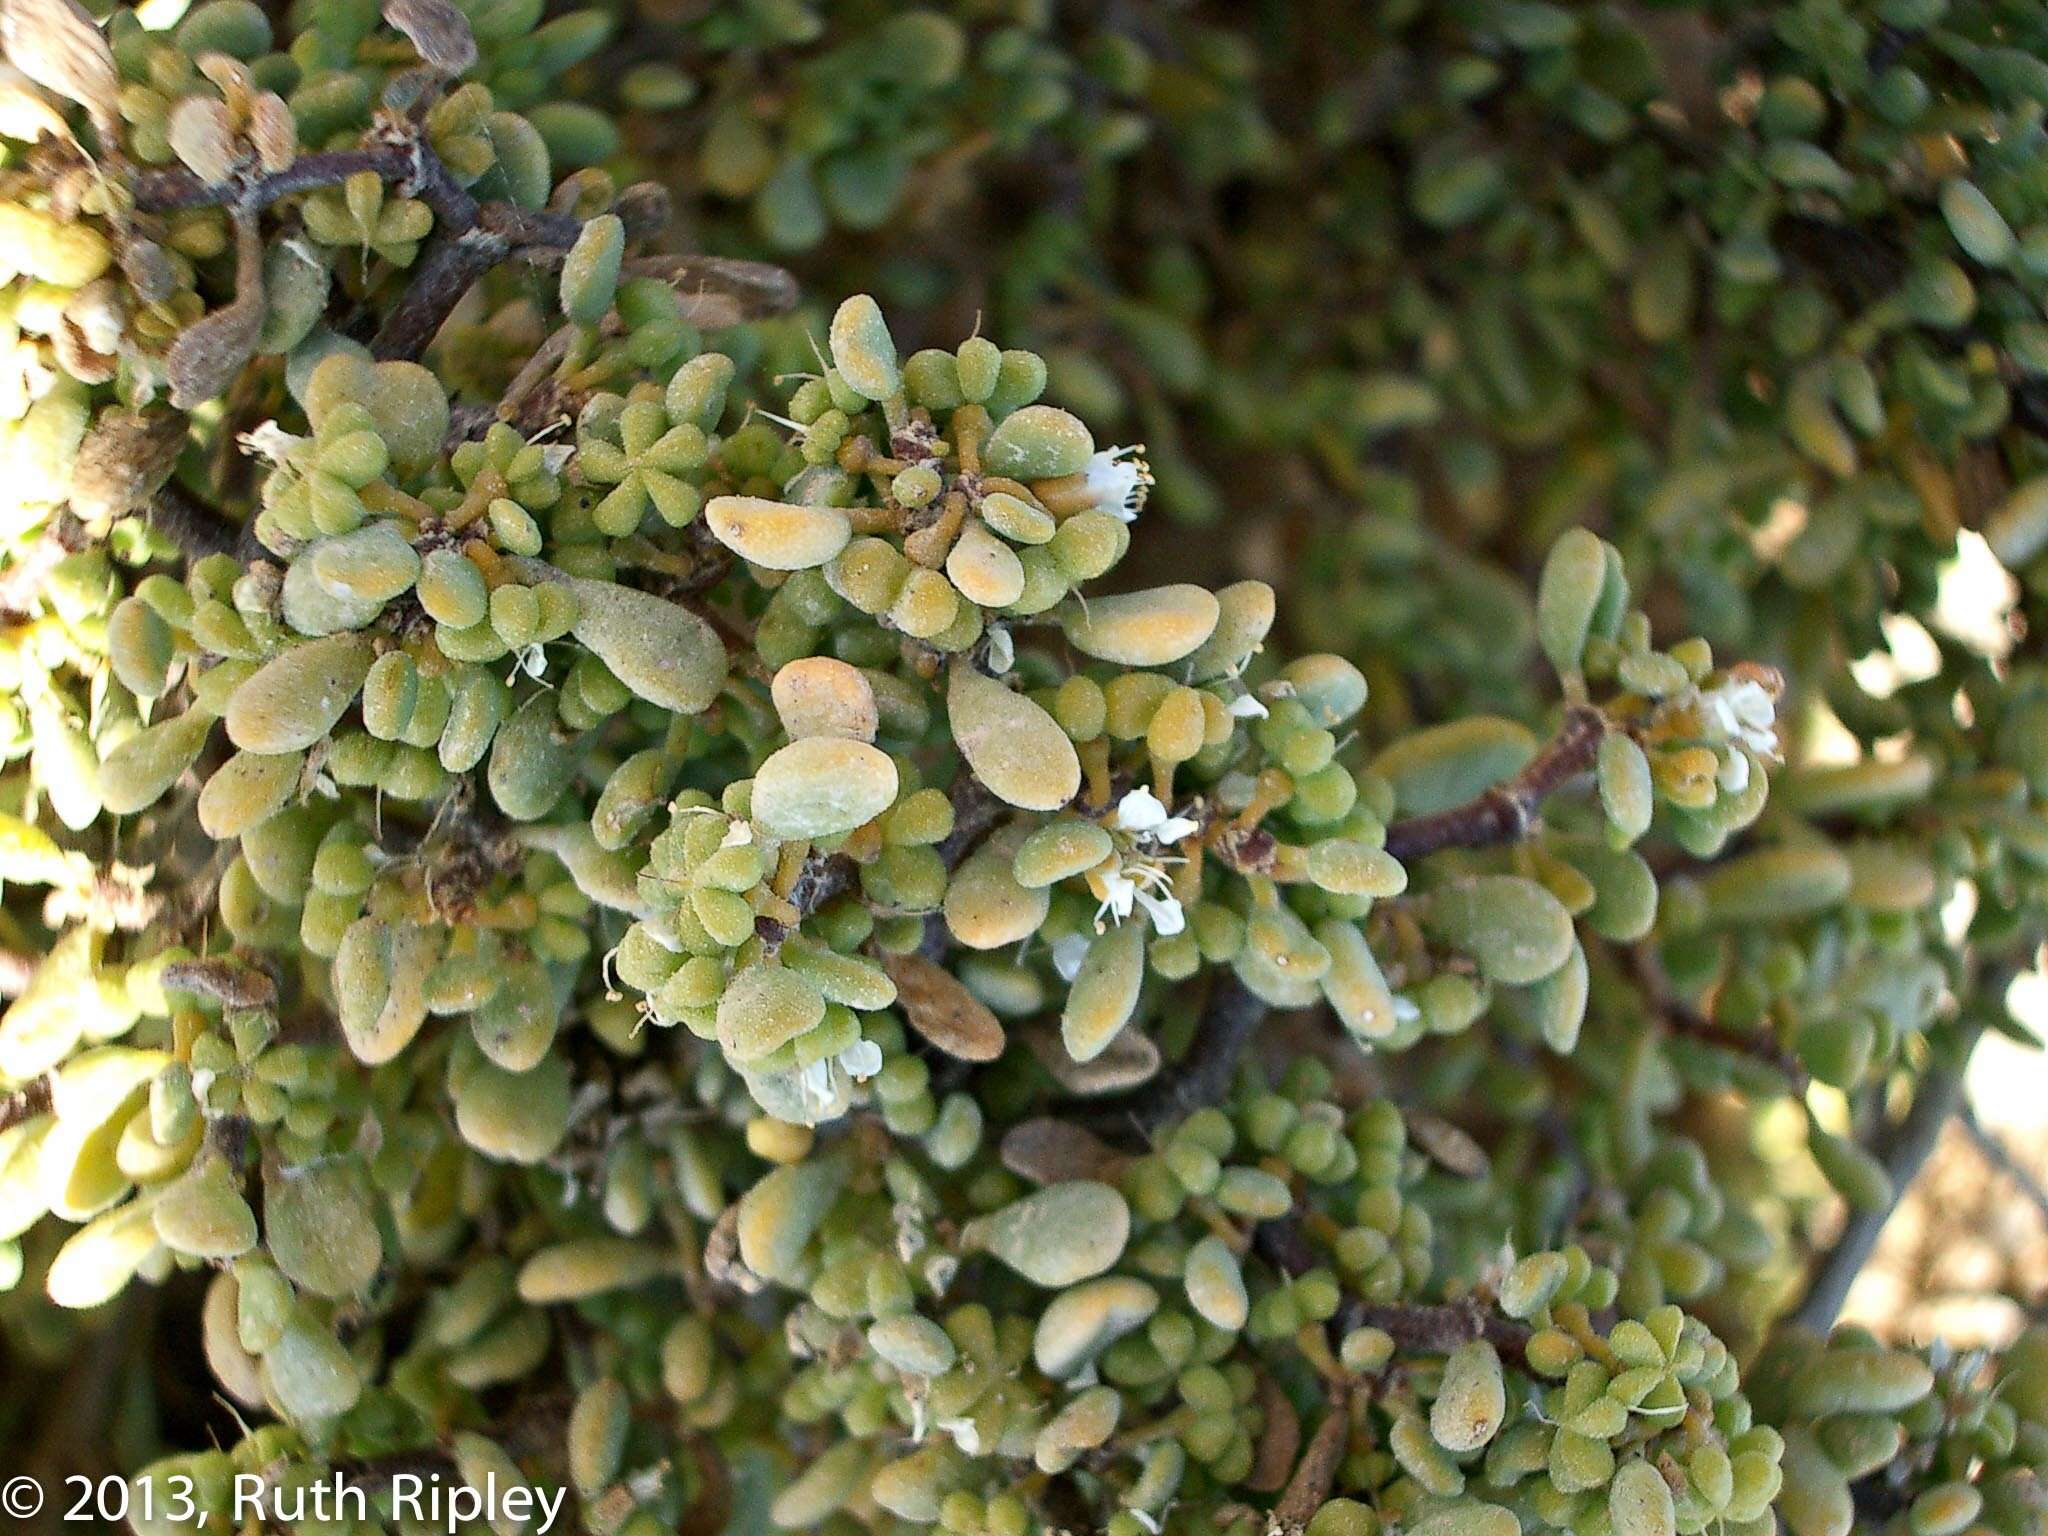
(668, 979)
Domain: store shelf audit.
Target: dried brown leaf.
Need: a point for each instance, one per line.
(1128, 1060)
(438, 32)
(201, 136)
(125, 457)
(80, 359)
(941, 1009)
(211, 351)
(274, 132)
(1446, 1145)
(722, 1262)
(1279, 1440)
(57, 44)
(718, 291)
(148, 270)
(225, 980)
(644, 209)
(1052, 1151)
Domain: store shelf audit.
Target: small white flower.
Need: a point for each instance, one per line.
(861, 1060)
(1137, 876)
(738, 835)
(1745, 712)
(1002, 651)
(1120, 480)
(269, 441)
(1246, 706)
(1068, 953)
(1139, 883)
(1141, 814)
(1734, 775)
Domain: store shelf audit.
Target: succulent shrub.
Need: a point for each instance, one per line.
(616, 893)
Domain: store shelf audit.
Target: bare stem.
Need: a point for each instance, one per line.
(1904, 1151)
(1420, 1328)
(1506, 813)
(189, 523)
(1694, 1025)
(1684, 1022)
(1315, 1473)
(1204, 1074)
(825, 879)
(167, 191)
(25, 1103)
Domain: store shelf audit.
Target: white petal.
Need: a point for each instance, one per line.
(1753, 703)
(1118, 894)
(1174, 828)
(1246, 706)
(862, 1060)
(1139, 811)
(1734, 774)
(1167, 917)
(964, 1434)
(816, 1081)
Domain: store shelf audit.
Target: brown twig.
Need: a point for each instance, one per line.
(1438, 1329)
(1315, 1473)
(470, 238)
(168, 191)
(1507, 812)
(826, 878)
(1691, 1024)
(1687, 1024)
(189, 523)
(457, 255)
(25, 1103)
(1421, 1328)
(1203, 1075)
